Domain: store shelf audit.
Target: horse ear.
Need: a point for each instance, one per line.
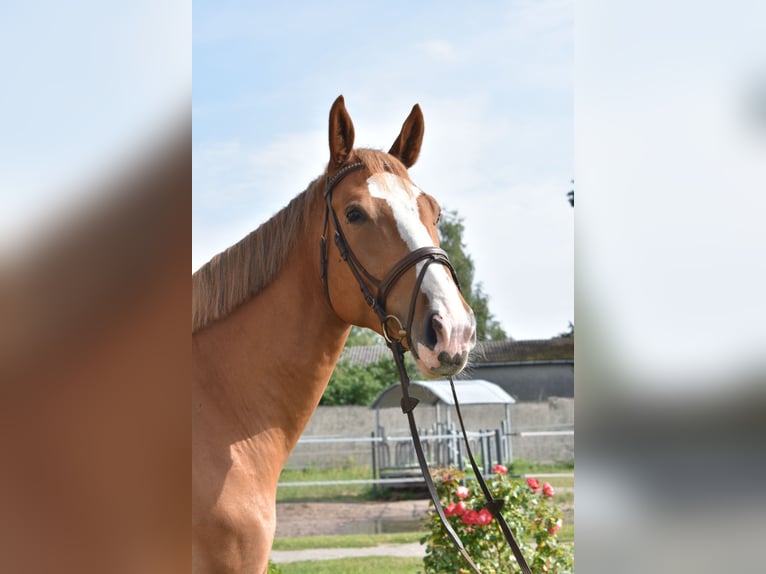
(407, 145)
(341, 133)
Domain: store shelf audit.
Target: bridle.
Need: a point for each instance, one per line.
(377, 302)
(428, 255)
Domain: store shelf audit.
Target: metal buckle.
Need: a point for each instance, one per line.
(401, 331)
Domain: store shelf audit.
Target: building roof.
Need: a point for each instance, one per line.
(485, 352)
(365, 355)
(469, 392)
(514, 351)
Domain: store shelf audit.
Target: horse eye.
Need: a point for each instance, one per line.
(354, 215)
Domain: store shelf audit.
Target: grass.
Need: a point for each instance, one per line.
(329, 493)
(364, 565)
(346, 540)
(355, 492)
(566, 534)
(521, 466)
(367, 564)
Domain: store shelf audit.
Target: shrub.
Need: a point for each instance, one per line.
(360, 384)
(529, 510)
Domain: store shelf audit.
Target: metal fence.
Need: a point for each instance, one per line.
(394, 463)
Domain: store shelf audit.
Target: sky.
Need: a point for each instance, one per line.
(495, 86)
(80, 98)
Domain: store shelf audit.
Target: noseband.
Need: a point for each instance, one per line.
(377, 302)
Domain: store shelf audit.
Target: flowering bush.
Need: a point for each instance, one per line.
(529, 510)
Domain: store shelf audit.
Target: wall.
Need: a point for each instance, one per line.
(531, 381)
(360, 422)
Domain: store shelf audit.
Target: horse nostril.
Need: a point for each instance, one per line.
(431, 334)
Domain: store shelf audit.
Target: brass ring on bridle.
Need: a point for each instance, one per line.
(401, 331)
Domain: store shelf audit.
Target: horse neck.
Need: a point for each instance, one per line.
(271, 359)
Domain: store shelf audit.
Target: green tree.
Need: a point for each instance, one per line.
(451, 230)
(361, 337)
(566, 334)
(360, 384)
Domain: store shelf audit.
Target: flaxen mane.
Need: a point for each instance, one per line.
(240, 272)
(244, 269)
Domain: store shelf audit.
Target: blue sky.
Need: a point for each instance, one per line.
(495, 86)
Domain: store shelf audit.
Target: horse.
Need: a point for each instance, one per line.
(271, 314)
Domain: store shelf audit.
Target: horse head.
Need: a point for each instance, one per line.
(385, 245)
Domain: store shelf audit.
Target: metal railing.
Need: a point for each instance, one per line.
(394, 462)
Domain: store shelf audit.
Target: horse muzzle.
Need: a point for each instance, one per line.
(445, 342)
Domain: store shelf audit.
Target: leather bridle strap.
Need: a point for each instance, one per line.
(330, 183)
(428, 255)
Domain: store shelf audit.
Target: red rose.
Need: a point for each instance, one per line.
(449, 510)
(499, 469)
(462, 492)
(470, 517)
(460, 508)
(534, 484)
(485, 517)
(548, 489)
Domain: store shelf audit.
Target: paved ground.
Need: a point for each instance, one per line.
(414, 550)
(326, 518)
(320, 518)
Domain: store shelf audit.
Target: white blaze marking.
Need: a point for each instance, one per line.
(402, 198)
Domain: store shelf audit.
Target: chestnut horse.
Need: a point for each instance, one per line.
(270, 318)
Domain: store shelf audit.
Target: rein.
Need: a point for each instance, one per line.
(377, 303)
